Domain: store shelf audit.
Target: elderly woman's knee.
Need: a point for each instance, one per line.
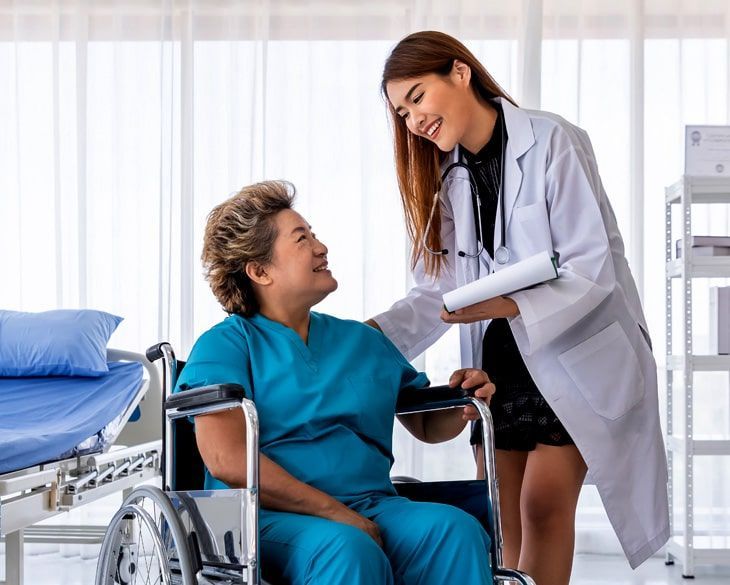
(453, 525)
(468, 527)
(352, 550)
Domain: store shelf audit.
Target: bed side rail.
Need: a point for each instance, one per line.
(45, 490)
(118, 355)
(147, 427)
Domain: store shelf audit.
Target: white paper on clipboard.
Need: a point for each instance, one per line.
(526, 273)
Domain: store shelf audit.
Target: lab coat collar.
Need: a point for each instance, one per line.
(520, 138)
(520, 135)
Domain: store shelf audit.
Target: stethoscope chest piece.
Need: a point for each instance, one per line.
(501, 255)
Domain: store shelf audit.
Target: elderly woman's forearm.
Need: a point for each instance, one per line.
(221, 439)
(282, 491)
(434, 427)
(443, 425)
(278, 489)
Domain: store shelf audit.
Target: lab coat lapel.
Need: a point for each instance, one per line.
(512, 184)
(520, 138)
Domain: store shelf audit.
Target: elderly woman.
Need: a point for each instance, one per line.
(325, 390)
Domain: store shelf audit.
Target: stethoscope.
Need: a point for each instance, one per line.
(502, 253)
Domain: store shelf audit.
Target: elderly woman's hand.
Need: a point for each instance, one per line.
(495, 308)
(478, 380)
(341, 513)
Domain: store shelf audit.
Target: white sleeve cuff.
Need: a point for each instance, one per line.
(525, 326)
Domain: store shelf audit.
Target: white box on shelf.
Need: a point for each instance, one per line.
(720, 320)
(706, 251)
(707, 151)
(705, 246)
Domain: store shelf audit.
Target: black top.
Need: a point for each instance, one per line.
(501, 357)
(486, 167)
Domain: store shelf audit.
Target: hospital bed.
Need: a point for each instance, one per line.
(68, 441)
(183, 534)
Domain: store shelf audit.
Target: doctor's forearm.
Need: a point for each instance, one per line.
(496, 308)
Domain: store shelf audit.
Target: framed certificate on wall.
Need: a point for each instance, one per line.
(707, 151)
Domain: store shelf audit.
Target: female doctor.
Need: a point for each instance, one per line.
(485, 184)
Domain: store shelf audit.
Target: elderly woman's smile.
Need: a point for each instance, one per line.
(298, 270)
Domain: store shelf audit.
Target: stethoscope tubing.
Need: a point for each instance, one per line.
(502, 253)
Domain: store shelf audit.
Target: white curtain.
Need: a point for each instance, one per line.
(123, 123)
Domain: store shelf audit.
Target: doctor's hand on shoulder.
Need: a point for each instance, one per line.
(495, 308)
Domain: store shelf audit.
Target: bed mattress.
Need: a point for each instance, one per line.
(47, 418)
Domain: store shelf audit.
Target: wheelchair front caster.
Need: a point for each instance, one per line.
(126, 565)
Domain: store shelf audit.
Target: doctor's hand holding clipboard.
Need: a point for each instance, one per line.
(494, 308)
(485, 185)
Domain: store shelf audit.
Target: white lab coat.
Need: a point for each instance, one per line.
(583, 336)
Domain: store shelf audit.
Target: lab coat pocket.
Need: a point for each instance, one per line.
(607, 372)
(533, 227)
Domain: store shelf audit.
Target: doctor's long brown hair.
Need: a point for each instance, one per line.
(418, 160)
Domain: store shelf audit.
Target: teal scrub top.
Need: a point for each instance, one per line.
(326, 408)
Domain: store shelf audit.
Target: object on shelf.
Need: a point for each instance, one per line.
(720, 320)
(706, 251)
(706, 246)
(707, 151)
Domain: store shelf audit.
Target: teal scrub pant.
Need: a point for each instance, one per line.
(423, 543)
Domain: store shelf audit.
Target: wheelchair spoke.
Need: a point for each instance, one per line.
(141, 544)
(140, 563)
(144, 552)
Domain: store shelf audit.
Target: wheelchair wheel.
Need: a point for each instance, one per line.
(145, 544)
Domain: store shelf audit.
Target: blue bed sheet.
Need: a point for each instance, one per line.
(45, 417)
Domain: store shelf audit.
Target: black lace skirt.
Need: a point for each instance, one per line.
(522, 417)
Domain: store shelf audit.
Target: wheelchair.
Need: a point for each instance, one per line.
(186, 535)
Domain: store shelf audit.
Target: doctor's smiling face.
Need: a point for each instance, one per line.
(436, 107)
(298, 274)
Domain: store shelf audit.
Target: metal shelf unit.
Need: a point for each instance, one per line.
(691, 546)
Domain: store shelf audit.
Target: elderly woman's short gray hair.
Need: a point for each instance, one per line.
(242, 230)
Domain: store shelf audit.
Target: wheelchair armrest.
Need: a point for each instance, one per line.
(431, 398)
(207, 396)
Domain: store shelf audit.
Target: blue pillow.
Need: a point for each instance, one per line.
(55, 343)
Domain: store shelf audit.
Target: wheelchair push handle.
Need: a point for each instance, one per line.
(155, 352)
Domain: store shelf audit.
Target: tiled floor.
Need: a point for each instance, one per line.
(52, 569)
(614, 570)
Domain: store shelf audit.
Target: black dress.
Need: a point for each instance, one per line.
(522, 417)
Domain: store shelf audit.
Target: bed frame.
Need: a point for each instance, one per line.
(34, 494)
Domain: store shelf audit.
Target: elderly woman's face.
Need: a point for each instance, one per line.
(298, 267)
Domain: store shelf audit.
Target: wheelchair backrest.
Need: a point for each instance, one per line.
(188, 469)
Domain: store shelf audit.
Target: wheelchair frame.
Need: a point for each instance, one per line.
(211, 399)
